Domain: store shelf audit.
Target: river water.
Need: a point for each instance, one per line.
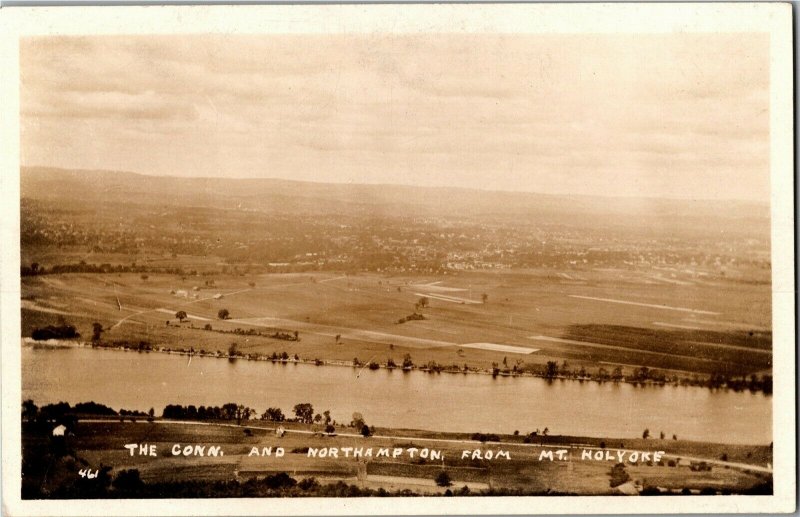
(413, 400)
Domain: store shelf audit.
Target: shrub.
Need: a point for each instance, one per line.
(308, 483)
(280, 480)
(443, 479)
(54, 332)
(485, 437)
(127, 479)
(618, 475)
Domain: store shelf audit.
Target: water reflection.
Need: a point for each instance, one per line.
(448, 402)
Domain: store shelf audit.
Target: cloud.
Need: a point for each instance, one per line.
(672, 112)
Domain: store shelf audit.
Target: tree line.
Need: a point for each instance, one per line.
(82, 267)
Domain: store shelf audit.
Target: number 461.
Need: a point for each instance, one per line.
(87, 473)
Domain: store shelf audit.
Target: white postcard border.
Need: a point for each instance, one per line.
(774, 18)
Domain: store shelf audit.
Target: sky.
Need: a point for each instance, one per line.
(658, 115)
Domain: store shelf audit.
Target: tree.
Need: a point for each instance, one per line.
(238, 412)
(329, 429)
(646, 434)
(232, 349)
(97, 330)
(273, 414)
(551, 370)
(484, 297)
(423, 302)
(358, 421)
(304, 412)
(327, 415)
(317, 418)
(251, 284)
(144, 278)
(181, 315)
(443, 479)
(35, 268)
(229, 411)
(407, 362)
(243, 413)
(365, 432)
(29, 410)
(207, 326)
(223, 314)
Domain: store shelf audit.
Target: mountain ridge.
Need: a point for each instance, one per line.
(289, 196)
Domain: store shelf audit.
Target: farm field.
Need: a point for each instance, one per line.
(590, 318)
(97, 443)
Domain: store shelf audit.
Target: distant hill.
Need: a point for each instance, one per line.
(288, 197)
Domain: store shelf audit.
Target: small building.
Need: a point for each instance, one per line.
(280, 431)
(218, 296)
(59, 430)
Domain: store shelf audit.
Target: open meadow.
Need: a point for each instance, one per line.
(677, 322)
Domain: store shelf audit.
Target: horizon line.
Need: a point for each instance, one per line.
(762, 202)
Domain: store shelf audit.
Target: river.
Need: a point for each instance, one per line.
(413, 400)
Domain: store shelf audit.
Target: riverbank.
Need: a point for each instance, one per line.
(285, 358)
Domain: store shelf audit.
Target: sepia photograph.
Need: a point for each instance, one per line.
(487, 253)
